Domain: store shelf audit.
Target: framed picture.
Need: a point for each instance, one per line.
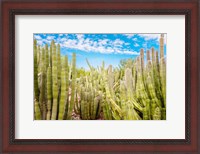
(99, 76)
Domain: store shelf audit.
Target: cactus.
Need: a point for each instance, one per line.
(49, 93)
(71, 104)
(37, 111)
(36, 90)
(63, 95)
(157, 114)
(58, 64)
(163, 69)
(67, 85)
(47, 56)
(136, 90)
(55, 85)
(43, 86)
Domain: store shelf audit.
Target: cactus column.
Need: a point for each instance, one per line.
(55, 84)
(49, 93)
(163, 69)
(58, 65)
(43, 84)
(63, 95)
(71, 104)
(36, 89)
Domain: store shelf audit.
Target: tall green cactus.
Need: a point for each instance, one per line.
(43, 86)
(66, 66)
(59, 64)
(55, 84)
(36, 90)
(49, 93)
(71, 104)
(47, 56)
(37, 111)
(63, 95)
(50, 53)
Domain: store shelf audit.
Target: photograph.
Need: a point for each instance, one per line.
(99, 76)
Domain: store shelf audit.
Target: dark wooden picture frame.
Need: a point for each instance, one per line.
(11, 8)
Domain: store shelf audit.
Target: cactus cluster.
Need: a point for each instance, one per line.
(135, 90)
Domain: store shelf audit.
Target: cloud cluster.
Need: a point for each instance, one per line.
(147, 37)
(82, 43)
(105, 44)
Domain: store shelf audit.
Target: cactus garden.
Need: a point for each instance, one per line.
(133, 88)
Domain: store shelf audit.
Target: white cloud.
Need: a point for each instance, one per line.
(71, 43)
(79, 36)
(118, 43)
(46, 41)
(148, 37)
(105, 46)
(40, 42)
(135, 39)
(38, 37)
(103, 41)
(50, 37)
(136, 45)
(131, 52)
(63, 39)
(144, 45)
(127, 43)
(129, 35)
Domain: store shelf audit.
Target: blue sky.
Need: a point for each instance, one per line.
(110, 48)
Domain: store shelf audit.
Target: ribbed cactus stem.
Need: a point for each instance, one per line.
(113, 104)
(66, 66)
(163, 114)
(129, 82)
(47, 56)
(110, 79)
(153, 55)
(63, 95)
(163, 69)
(36, 90)
(49, 93)
(55, 85)
(37, 111)
(161, 46)
(157, 114)
(142, 59)
(148, 55)
(100, 99)
(157, 61)
(71, 105)
(58, 63)
(43, 84)
(82, 103)
(38, 55)
(50, 53)
(67, 73)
